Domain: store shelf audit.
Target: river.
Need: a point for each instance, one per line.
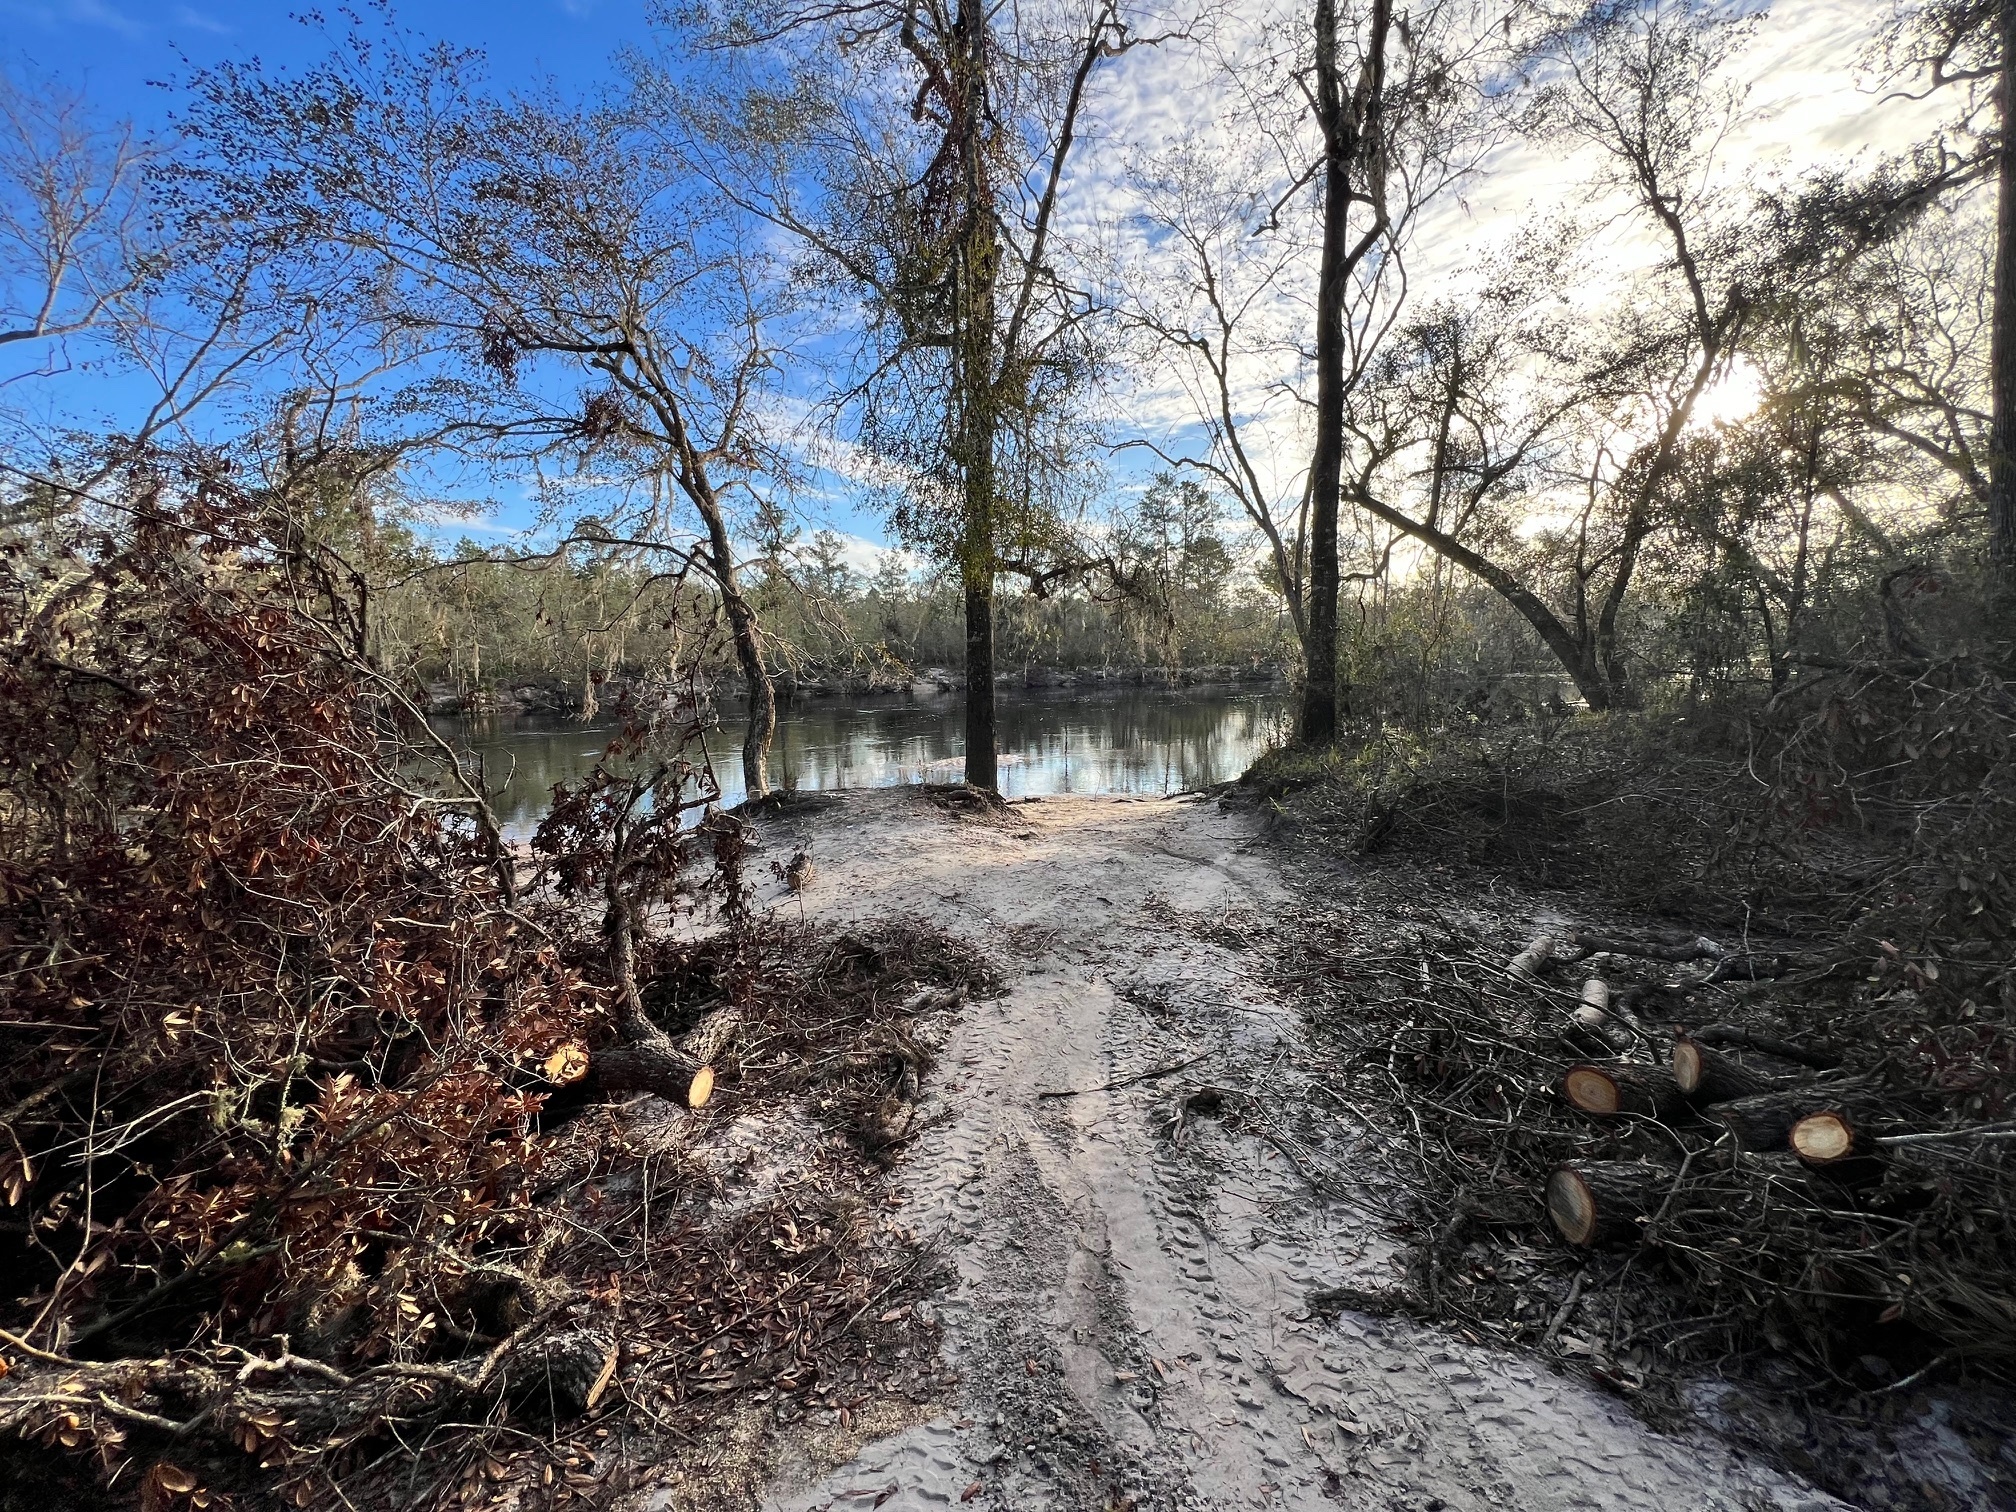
(1084, 741)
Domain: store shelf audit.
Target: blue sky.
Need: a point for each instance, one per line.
(1812, 102)
(124, 57)
(114, 50)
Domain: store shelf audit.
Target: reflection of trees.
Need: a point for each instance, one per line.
(1124, 742)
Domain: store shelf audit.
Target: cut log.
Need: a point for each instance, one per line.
(654, 1065)
(1597, 1202)
(1827, 1138)
(1819, 1057)
(705, 1041)
(1608, 1091)
(1533, 960)
(1591, 1029)
(1764, 1120)
(681, 1070)
(701, 1088)
(1651, 950)
(1707, 1076)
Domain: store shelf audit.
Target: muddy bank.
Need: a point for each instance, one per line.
(1163, 1242)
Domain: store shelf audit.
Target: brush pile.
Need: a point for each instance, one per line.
(332, 1168)
(1789, 1126)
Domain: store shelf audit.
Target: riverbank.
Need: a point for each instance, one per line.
(1162, 1244)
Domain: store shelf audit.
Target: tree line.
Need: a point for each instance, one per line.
(1688, 426)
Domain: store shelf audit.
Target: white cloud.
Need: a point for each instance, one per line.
(185, 15)
(1809, 105)
(72, 13)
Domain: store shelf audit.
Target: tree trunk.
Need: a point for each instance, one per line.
(978, 273)
(1764, 1120)
(1569, 650)
(1608, 1091)
(982, 753)
(761, 705)
(2002, 352)
(1317, 723)
(1597, 1202)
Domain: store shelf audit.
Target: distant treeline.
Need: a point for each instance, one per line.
(1173, 594)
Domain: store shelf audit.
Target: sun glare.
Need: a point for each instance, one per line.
(1732, 397)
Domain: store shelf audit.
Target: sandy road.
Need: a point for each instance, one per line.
(1129, 1321)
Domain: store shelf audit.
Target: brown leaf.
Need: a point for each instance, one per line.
(602, 1381)
(567, 1064)
(970, 1492)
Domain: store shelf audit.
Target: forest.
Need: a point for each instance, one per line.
(1596, 424)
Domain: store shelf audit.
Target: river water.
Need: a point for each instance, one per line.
(1085, 741)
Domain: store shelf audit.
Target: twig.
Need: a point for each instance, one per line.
(1919, 1374)
(1128, 1081)
(1993, 1132)
(1567, 1308)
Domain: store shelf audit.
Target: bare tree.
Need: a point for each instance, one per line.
(557, 291)
(1377, 107)
(1215, 303)
(1638, 89)
(76, 238)
(98, 266)
(1967, 48)
(1353, 120)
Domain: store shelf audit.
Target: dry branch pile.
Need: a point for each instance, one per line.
(319, 1188)
(1700, 1198)
(1647, 1147)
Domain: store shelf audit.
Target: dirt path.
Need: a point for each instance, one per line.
(1130, 1322)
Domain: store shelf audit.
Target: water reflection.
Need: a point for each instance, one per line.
(1065, 741)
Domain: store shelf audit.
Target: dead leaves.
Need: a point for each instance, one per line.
(166, 1486)
(566, 1065)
